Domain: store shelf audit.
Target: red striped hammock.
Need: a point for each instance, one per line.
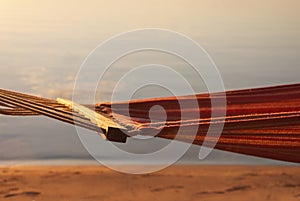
(262, 122)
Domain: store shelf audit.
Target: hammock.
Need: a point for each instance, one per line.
(263, 122)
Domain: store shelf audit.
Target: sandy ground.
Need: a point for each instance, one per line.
(73, 183)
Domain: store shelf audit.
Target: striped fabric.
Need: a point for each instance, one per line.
(262, 122)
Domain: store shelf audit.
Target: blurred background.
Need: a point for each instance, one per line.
(43, 43)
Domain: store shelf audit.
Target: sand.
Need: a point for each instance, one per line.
(74, 183)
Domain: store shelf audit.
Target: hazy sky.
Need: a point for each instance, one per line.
(43, 43)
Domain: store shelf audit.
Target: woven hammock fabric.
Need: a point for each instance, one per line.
(262, 122)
